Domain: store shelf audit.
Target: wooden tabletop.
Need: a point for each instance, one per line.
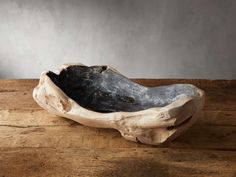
(36, 143)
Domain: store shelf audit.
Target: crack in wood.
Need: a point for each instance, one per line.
(33, 126)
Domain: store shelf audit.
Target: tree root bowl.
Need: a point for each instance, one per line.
(100, 96)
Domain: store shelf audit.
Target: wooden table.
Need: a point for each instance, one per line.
(36, 143)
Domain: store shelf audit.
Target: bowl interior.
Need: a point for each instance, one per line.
(101, 89)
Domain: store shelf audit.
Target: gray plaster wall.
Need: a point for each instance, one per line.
(141, 38)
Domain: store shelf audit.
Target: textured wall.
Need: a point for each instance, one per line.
(141, 38)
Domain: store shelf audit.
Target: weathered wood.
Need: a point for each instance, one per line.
(199, 136)
(17, 85)
(221, 118)
(99, 96)
(145, 162)
(40, 129)
(40, 117)
(36, 143)
(18, 100)
(220, 99)
(31, 118)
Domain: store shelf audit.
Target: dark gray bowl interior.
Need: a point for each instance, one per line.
(100, 89)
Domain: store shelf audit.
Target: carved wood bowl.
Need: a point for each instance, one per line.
(99, 96)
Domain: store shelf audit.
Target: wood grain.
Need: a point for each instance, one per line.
(39, 117)
(121, 162)
(36, 143)
(199, 136)
(214, 130)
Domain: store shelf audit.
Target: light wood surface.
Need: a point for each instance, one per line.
(35, 143)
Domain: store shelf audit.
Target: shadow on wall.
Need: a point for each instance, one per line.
(1, 71)
(3, 74)
(7, 71)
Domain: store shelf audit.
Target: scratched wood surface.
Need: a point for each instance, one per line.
(35, 143)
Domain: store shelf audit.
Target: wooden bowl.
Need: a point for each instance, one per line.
(99, 96)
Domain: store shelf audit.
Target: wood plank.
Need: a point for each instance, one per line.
(35, 117)
(18, 100)
(15, 85)
(208, 137)
(220, 99)
(213, 130)
(31, 118)
(35, 143)
(17, 94)
(147, 162)
(62, 137)
(218, 118)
